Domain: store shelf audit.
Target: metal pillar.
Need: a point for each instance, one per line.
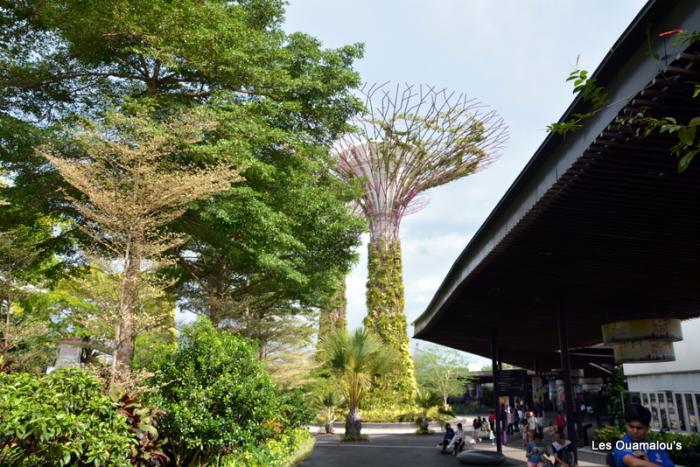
(495, 365)
(566, 375)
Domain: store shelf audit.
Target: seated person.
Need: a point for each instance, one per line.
(563, 451)
(536, 451)
(637, 420)
(457, 442)
(449, 434)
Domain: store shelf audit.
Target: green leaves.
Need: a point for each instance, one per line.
(686, 135)
(60, 419)
(593, 94)
(216, 395)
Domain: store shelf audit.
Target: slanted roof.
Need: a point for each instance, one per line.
(600, 218)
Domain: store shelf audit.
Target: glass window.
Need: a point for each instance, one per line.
(692, 413)
(680, 412)
(663, 411)
(671, 411)
(654, 407)
(634, 398)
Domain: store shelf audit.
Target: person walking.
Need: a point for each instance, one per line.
(560, 421)
(476, 426)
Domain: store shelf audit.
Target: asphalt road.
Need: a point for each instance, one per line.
(390, 450)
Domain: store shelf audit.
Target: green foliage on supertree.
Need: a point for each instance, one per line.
(386, 318)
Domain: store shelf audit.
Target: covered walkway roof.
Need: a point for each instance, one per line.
(599, 219)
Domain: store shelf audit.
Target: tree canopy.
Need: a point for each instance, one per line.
(273, 242)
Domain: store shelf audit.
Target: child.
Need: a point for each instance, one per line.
(536, 452)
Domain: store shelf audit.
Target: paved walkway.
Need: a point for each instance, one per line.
(405, 450)
(388, 450)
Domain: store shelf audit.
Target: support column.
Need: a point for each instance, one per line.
(566, 374)
(495, 364)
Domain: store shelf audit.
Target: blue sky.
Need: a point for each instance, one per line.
(513, 55)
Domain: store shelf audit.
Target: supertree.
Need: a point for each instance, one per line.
(410, 139)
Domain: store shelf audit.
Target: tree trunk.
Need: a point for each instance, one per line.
(6, 334)
(333, 319)
(424, 423)
(128, 295)
(353, 424)
(386, 318)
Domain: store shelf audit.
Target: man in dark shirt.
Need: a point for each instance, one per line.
(449, 434)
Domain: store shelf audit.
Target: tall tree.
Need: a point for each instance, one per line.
(410, 140)
(131, 190)
(280, 100)
(441, 371)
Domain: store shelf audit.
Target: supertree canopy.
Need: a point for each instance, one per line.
(410, 139)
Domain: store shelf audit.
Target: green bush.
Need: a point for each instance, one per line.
(217, 397)
(689, 455)
(291, 447)
(388, 415)
(63, 418)
(469, 408)
(297, 411)
(608, 434)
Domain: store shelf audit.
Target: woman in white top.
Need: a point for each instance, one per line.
(457, 440)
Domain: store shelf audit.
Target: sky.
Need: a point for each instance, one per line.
(512, 55)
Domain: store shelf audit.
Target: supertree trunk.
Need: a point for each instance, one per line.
(386, 317)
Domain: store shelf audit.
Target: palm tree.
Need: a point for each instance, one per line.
(425, 400)
(356, 359)
(328, 401)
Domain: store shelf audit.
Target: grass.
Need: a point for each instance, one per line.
(302, 453)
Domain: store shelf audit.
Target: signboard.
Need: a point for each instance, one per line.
(68, 353)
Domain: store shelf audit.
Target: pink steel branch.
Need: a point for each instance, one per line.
(411, 139)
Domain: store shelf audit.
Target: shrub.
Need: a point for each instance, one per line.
(296, 410)
(63, 418)
(608, 434)
(217, 397)
(290, 448)
(689, 455)
(468, 408)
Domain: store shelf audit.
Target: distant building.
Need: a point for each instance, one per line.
(671, 390)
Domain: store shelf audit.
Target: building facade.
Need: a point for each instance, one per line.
(671, 390)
